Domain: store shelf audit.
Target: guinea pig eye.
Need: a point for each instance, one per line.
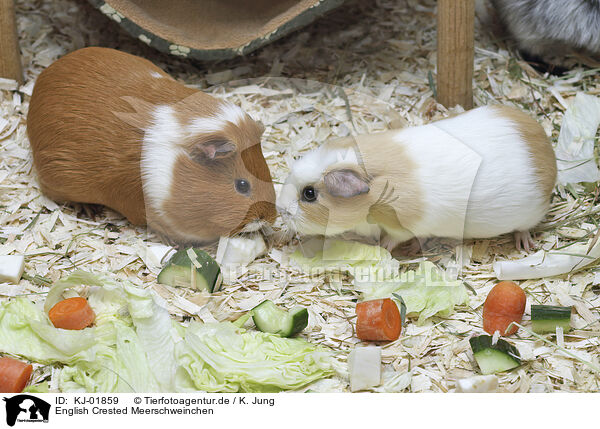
(242, 186)
(309, 194)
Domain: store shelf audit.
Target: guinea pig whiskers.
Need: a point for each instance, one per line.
(386, 195)
(288, 230)
(257, 225)
(266, 230)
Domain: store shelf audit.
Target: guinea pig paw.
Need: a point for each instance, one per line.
(389, 243)
(413, 247)
(524, 241)
(91, 211)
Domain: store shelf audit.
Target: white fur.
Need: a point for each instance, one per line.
(159, 152)
(477, 176)
(160, 149)
(209, 124)
(475, 173)
(161, 146)
(232, 113)
(228, 113)
(255, 225)
(156, 75)
(309, 170)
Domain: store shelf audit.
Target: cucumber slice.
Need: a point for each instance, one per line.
(193, 268)
(545, 318)
(493, 358)
(270, 318)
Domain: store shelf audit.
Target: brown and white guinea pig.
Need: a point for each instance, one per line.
(110, 128)
(480, 174)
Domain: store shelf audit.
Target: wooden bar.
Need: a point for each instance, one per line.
(455, 52)
(10, 56)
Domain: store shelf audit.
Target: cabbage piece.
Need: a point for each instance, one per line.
(364, 368)
(136, 347)
(106, 358)
(26, 331)
(155, 333)
(364, 262)
(221, 357)
(235, 253)
(121, 364)
(55, 294)
(425, 291)
(11, 268)
(576, 142)
(240, 250)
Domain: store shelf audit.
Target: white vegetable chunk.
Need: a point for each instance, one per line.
(240, 250)
(11, 268)
(477, 384)
(548, 263)
(364, 368)
(158, 252)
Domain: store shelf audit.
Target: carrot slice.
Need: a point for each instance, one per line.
(14, 375)
(504, 304)
(378, 320)
(72, 313)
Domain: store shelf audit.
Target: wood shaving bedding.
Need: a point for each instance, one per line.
(363, 68)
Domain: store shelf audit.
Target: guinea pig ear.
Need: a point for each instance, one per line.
(212, 149)
(345, 183)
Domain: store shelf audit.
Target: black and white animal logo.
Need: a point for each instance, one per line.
(26, 408)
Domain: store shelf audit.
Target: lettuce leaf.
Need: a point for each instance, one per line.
(234, 359)
(25, 330)
(156, 335)
(364, 262)
(376, 274)
(121, 365)
(425, 291)
(135, 346)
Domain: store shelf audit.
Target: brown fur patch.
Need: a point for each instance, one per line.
(538, 144)
(394, 185)
(315, 212)
(384, 214)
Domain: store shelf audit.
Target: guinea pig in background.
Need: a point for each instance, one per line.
(551, 26)
(110, 128)
(480, 174)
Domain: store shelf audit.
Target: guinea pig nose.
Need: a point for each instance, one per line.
(287, 210)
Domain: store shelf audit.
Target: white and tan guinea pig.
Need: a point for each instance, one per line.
(110, 128)
(482, 173)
